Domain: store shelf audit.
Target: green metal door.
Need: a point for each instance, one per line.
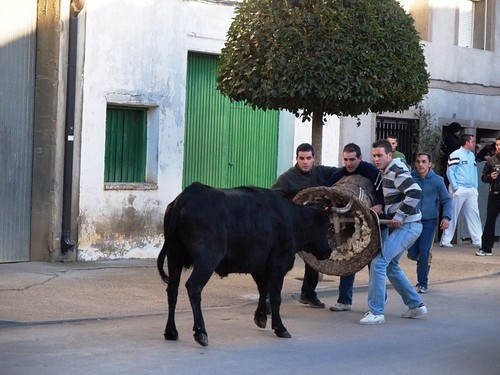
(226, 144)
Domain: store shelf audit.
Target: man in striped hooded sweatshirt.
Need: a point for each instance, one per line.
(401, 197)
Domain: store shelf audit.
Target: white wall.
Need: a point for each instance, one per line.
(136, 53)
(330, 146)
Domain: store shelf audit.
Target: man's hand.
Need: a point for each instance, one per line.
(378, 209)
(444, 224)
(395, 223)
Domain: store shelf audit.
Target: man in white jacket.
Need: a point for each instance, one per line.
(462, 175)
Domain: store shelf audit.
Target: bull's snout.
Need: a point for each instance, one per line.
(324, 253)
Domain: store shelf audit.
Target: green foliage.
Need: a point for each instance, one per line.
(429, 138)
(337, 57)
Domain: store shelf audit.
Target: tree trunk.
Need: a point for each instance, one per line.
(317, 135)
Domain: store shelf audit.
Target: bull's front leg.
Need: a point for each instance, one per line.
(275, 298)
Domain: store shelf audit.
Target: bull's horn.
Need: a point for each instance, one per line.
(343, 210)
(309, 200)
(315, 204)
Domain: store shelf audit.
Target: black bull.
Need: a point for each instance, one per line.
(243, 230)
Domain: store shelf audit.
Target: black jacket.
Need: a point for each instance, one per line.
(491, 165)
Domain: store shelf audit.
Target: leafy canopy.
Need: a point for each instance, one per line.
(337, 57)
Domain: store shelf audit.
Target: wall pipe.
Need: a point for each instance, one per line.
(67, 244)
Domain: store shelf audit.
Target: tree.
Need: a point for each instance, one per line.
(429, 138)
(319, 57)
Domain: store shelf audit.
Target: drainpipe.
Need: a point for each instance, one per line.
(67, 244)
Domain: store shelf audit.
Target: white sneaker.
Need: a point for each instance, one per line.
(341, 307)
(417, 311)
(370, 318)
(446, 245)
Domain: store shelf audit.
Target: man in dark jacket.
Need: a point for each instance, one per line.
(490, 176)
(354, 164)
(451, 142)
(302, 175)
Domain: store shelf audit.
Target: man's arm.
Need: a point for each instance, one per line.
(412, 194)
(488, 168)
(336, 176)
(453, 164)
(445, 200)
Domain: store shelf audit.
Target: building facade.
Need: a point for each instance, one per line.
(125, 115)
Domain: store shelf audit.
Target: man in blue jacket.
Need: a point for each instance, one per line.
(434, 193)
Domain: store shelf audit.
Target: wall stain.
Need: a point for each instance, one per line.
(121, 230)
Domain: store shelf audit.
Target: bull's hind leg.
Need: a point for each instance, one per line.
(195, 285)
(260, 316)
(174, 272)
(275, 297)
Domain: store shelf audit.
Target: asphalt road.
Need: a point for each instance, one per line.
(460, 335)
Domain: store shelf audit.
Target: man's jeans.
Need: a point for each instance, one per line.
(421, 251)
(347, 282)
(386, 264)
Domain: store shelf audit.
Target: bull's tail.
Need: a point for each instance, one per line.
(161, 261)
(169, 224)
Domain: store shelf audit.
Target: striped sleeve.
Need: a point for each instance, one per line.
(403, 195)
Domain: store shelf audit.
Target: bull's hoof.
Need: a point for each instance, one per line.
(260, 320)
(283, 333)
(201, 338)
(171, 335)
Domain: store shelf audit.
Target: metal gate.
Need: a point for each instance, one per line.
(226, 144)
(406, 130)
(17, 90)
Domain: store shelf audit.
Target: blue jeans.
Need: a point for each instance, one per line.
(347, 282)
(421, 251)
(345, 289)
(386, 264)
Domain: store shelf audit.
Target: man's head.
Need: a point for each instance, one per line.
(393, 140)
(454, 128)
(497, 145)
(304, 155)
(352, 157)
(468, 142)
(382, 153)
(423, 163)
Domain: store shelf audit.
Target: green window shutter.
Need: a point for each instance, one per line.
(126, 145)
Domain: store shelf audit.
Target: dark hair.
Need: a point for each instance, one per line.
(392, 136)
(454, 127)
(383, 143)
(465, 138)
(497, 139)
(352, 147)
(426, 154)
(304, 147)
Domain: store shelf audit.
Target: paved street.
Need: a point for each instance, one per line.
(460, 335)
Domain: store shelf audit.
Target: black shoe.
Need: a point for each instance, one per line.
(312, 301)
(482, 253)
